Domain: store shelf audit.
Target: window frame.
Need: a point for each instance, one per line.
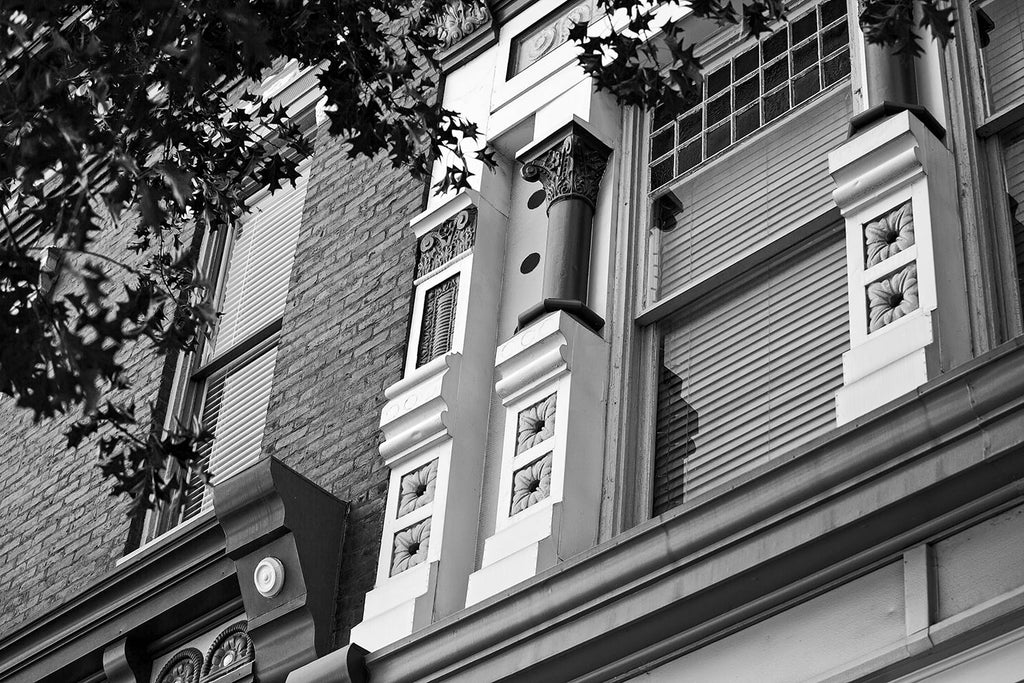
(633, 397)
(196, 369)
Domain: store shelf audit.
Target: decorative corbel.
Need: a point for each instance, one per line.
(125, 661)
(569, 164)
(285, 535)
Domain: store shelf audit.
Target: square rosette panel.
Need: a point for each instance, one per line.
(889, 234)
(535, 424)
(531, 484)
(417, 488)
(892, 297)
(410, 547)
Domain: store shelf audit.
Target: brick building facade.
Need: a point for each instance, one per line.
(729, 393)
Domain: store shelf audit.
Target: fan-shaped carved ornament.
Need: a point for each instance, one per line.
(531, 484)
(184, 667)
(230, 649)
(892, 297)
(889, 234)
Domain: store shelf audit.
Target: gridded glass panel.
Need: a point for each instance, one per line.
(718, 139)
(836, 68)
(662, 143)
(718, 80)
(805, 86)
(758, 85)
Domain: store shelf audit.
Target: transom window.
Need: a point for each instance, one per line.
(753, 88)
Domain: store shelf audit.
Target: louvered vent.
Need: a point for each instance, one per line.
(438, 320)
(751, 372)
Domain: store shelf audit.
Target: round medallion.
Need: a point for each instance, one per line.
(269, 576)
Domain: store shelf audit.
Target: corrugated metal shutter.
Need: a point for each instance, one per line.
(751, 371)
(762, 190)
(260, 266)
(1004, 54)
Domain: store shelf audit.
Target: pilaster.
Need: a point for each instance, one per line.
(435, 423)
(895, 186)
(552, 381)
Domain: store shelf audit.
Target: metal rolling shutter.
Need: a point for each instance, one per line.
(751, 371)
(763, 189)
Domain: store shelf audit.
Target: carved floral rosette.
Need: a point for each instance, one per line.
(572, 168)
(460, 19)
(892, 297)
(442, 244)
(889, 234)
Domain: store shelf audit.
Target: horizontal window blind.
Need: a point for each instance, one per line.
(766, 187)
(1003, 55)
(260, 266)
(750, 372)
(1013, 160)
(235, 410)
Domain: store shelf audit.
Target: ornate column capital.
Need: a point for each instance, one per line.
(569, 164)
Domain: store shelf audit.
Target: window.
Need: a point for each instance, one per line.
(231, 386)
(997, 44)
(746, 301)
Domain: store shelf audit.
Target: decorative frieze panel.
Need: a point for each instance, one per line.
(438, 325)
(531, 484)
(892, 297)
(552, 32)
(441, 245)
(230, 650)
(889, 234)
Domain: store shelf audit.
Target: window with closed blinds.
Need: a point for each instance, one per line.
(1013, 164)
(751, 371)
(1001, 29)
(235, 398)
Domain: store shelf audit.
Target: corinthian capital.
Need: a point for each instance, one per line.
(570, 165)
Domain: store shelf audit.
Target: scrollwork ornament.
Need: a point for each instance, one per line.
(446, 241)
(460, 19)
(573, 168)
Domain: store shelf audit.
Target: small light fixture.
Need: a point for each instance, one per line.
(269, 576)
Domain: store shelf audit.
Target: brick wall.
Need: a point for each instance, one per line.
(343, 341)
(60, 530)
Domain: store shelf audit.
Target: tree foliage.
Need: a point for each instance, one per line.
(130, 129)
